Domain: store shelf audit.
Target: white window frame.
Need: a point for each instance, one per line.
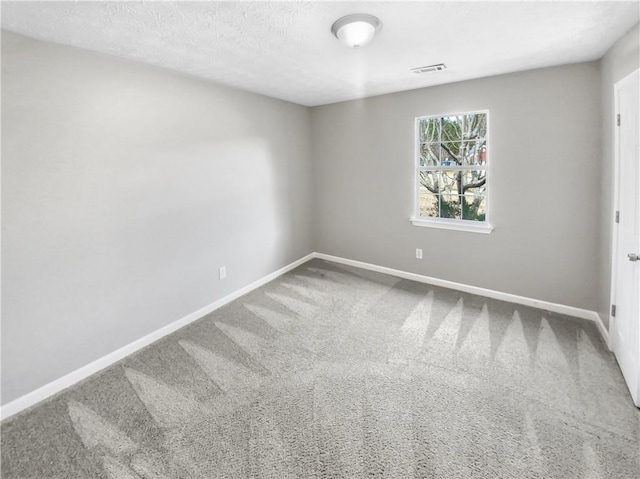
(450, 223)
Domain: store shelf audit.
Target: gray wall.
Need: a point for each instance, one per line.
(544, 184)
(124, 188)
(623, 58)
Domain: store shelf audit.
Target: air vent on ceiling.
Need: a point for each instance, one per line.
(431, 68)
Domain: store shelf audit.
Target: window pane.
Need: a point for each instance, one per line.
(430, 130)
(473, 199)
(452, 128)
(430, 181)
(450, 200)
(449, 182)
(475, 126)
(474, 152)
(429, 154)
(473, 182)
(428, 204)
(450, 153)
(474, 207)
(450, 207)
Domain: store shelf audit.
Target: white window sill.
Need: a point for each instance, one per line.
(458, 225)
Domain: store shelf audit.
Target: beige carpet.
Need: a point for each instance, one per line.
(336, 372)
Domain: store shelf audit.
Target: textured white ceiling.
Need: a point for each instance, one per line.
(286, 50)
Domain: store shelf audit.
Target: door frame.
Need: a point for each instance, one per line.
(616, 203)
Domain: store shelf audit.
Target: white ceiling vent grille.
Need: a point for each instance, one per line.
(431, 68)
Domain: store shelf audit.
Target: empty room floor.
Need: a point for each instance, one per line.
(333, 371)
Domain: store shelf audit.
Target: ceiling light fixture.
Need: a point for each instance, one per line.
(356, 30)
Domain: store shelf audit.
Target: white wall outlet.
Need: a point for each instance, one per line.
(418, 253)
(222, 272)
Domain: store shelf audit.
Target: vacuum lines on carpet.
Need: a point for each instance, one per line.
(331, 371)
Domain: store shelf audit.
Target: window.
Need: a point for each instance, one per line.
(451, 171)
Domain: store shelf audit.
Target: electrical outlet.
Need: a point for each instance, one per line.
(418, 253)
(222, 272)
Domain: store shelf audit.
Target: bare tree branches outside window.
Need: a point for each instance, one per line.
(452, 167)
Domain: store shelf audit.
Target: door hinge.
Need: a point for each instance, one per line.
(613, 310)
(618, 119)
(617, 217)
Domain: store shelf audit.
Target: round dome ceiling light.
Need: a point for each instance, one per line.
(356, 30)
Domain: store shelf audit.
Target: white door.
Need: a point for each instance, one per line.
(625, 325)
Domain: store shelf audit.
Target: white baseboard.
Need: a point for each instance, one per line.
(511, 298)
(74, 377)
(604, 332)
